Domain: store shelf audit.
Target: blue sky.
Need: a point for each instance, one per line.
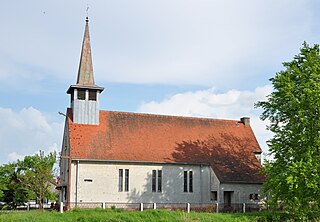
(183, 57)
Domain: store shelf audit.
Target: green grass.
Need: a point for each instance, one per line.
(124, 216)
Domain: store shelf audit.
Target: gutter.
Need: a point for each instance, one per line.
(139, 162)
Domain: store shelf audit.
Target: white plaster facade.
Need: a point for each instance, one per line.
(99, 182)
(239, 192)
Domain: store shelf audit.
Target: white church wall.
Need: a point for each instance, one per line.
(99, 182)
(241, 192)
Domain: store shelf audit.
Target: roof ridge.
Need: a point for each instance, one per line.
(171, 116)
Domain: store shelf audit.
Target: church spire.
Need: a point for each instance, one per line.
(85, 72)
(85, 93)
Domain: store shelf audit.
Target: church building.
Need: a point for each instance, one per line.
(123, 157)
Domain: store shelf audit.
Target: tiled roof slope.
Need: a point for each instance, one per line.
(227, 145)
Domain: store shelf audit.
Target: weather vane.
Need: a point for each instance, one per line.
(87, 10)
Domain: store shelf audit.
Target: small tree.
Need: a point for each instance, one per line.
(13, 193)
(37, 174)
(293, 109)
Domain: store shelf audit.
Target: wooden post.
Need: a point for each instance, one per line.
(103, 205)
(244, 207)
(154, 206)
(188, 207)
(217, 207)
(141, 206)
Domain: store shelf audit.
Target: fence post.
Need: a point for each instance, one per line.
(103, 205)
(28, 206)
(244, 207)
(188, 207)
(141, 206)
(61, 207)
(154, 206)
(217, 207)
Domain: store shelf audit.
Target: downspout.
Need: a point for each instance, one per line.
(210, 184)
(77, 175)
(69, 183)
(219, 192)
(201, 185)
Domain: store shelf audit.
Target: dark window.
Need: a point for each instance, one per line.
(126, 181)
(251, 196)
(214, 195)
(65, 193)
(81, 94)
(256, 197)
(154, 180)
(120, 180)
(72, 95)
(190, 181)
(185, 181)
(159, 180)
(93, 95)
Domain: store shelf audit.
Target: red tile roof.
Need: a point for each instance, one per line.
(227, 145)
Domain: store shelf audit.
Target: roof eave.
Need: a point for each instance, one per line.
(138, 162)
(243, 182)
(94, 87)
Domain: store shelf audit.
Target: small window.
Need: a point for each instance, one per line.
(81, 94)
(72, 95)
(154, 180)
(120, 185)
(214, 195)
(190, 181)
(88, 180)
(93, 95)
(65, 193)
(126, 182)
(185, 181)
(254, 196)
(159, 180)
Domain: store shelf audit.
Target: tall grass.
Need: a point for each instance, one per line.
(116, 215)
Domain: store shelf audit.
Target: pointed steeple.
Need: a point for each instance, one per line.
(85, 72)
(85, 93)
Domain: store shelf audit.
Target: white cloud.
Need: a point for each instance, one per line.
(13, 157)
(26, 132)
(172, 42)
(232, 104)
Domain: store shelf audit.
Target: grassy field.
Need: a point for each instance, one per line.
(124, 216)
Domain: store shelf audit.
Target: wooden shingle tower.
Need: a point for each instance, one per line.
(85, 93)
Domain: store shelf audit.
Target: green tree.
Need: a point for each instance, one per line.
(13, 193)
(293, 109)
(37, 174)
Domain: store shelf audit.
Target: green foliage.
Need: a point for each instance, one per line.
(37, 174)
(27, 179)
(293, 109)
(12, 191)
